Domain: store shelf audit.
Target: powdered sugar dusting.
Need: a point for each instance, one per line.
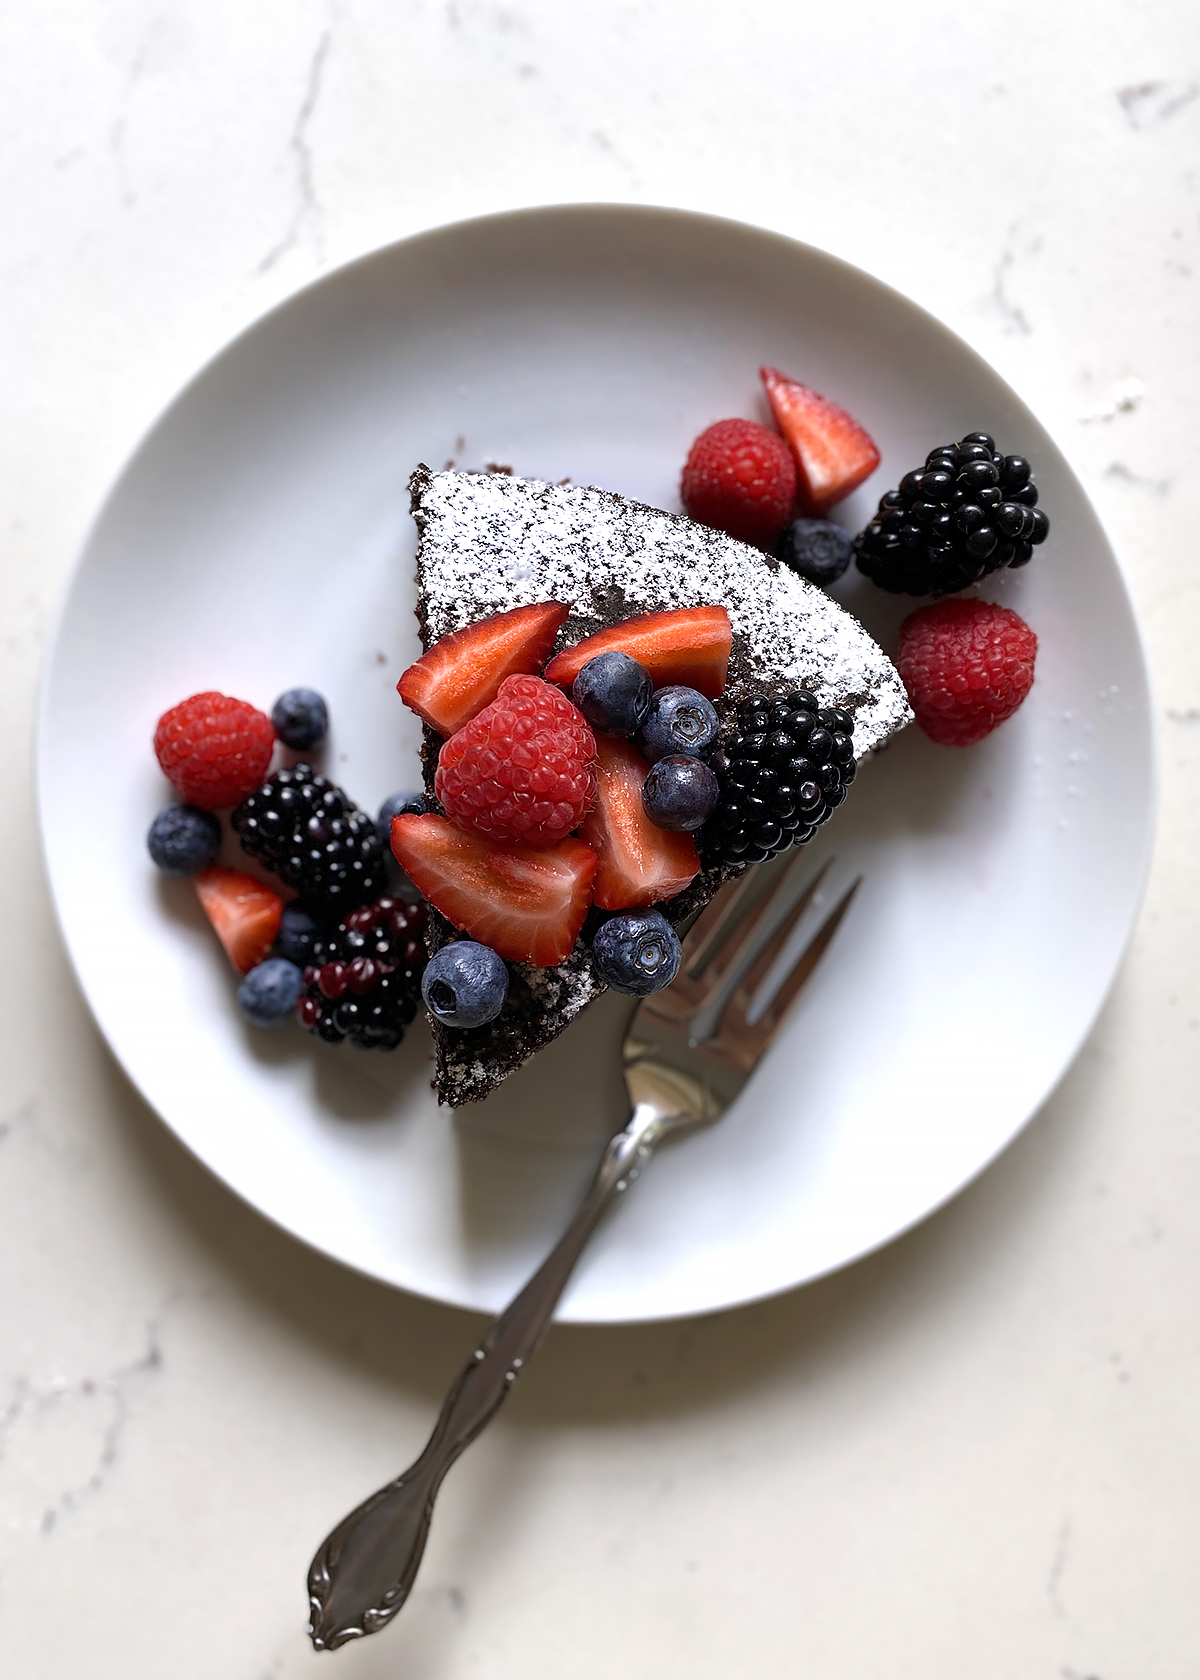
(490, 542)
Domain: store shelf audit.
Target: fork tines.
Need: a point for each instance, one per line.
(731, 938)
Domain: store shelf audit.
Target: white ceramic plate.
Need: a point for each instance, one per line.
(260, 538)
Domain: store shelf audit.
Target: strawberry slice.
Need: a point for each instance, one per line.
(690, 646)
(637, 862)
(244, 913)
(527, 903)
(462, 673)
(833, 452)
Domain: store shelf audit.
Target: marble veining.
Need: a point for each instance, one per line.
(307, 210)
(96, 1410)
(1147, 104)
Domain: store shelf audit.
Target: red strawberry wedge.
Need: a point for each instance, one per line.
(833, 452)
(462, 673)
(690, 646)
(637, 862)
(244, 913)
(528, 904)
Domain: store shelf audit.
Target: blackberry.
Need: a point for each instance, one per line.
(365, 981)
(968, 511)
(306, 831)
(782, 772)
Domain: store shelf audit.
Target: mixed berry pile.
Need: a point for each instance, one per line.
(602, 778)
(969, 510)
(343, 956)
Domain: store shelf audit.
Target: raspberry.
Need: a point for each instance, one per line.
(967, 665)
(213, 750)
(521, 771)
(740, 478)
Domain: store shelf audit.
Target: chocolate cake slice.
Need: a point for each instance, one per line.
(489, 542)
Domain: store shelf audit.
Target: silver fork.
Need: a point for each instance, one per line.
(688, 1052)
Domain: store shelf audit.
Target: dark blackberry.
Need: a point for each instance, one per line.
(782, 772)
(365, 981)
(968, 511)
(306, 831)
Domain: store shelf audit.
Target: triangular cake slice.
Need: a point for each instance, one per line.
(489, 542)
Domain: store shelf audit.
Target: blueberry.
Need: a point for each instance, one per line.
(297, 936)
(680, 793)
(301, 719)
(465, 984)
(613, 692)
(679, 721)
(268, 994)
(183, 840)
(637, 952)
(397, 805)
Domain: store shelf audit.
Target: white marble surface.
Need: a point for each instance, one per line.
(975, 1453)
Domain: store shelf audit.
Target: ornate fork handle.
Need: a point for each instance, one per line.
(364, 1570)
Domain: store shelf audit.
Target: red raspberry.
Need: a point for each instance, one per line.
(521, 771)
(967, 665)
(740, 478)
(214, 751)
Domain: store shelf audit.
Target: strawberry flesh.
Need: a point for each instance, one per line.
(462, 673)
(527, 903)
(690, 646)
(244, 914)
(833, 452)
(637, 862)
